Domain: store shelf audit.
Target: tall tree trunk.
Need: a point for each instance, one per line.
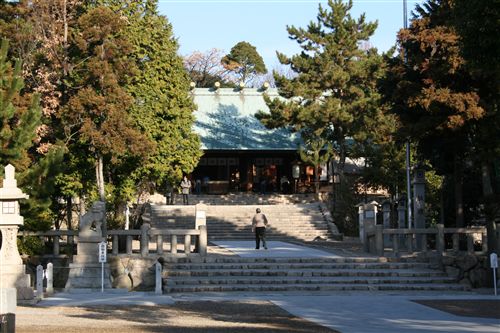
(69, 213)
(316, 176)
(102, 194)
(459, 200)
(100, 178)
(490, 208)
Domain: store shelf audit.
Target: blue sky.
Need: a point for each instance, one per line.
(205, 24)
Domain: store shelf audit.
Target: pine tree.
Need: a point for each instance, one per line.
(244, 61)
(334, 92)
(19, 120)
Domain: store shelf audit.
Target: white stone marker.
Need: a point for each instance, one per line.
(158, 285)
(39, 281)
(49, 274)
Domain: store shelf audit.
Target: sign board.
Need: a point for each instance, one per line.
(103, 249)
(493, 260)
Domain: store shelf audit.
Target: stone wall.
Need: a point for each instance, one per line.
(471, 270)
(133, 273)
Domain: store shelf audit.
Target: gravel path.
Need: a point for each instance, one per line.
(201, 316)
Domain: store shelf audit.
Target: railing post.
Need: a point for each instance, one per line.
(159, 244)
(395, 244)
(50, 278)
(158, 279)
(71, 241)
(379, 240)
(409, 241)
(484, 242)
(187, 245)
(456, 242)
(55, 245)
(424, 242)
(39, 281)
(114, 248)
(173, 244)
(129, 244)
(145, 239)
(203, 240)
(470, 243)
(440, 239)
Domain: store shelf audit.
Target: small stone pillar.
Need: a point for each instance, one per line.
(369, 220)
(402, 212)
(386, 216)
(200, 220)
(419, 202)
(12, 270)
(361, 224)
(401, 217)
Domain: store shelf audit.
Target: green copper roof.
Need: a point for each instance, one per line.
(225, 120)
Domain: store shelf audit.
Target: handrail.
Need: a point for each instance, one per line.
(145, 234)
(418, 239)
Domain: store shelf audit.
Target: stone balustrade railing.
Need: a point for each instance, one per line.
(379, 241)
(196, 238)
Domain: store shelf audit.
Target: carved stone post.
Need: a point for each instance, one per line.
(386, 214)
(419, 203)
(12, 270)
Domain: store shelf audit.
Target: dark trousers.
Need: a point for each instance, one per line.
(260, 234)
(185, 199)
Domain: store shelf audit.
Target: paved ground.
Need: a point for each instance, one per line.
(362, 312)
(276, 249)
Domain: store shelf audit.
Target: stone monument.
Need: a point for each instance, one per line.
(12, 270)
(85, 270)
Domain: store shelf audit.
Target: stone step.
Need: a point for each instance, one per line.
(301, 273)
(313, 287)
(243, 280)
(286, 260)
(302, 266)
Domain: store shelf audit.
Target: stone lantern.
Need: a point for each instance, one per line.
(12, 270)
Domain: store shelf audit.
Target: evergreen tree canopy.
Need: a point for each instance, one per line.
(244, 61)
(334, 93)
(163, 108)
(98, 113)
(19, 117)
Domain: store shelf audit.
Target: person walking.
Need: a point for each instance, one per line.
(185, 187)
(259, 224)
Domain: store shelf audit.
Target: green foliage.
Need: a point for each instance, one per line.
(30, 245)
(244, 61)
(315, 152)
(163, 108)
(97, 115)
(40, 182)
(18, 119)
(334, 94)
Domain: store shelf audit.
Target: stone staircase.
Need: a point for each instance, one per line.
(233, 274)
(300, 222)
